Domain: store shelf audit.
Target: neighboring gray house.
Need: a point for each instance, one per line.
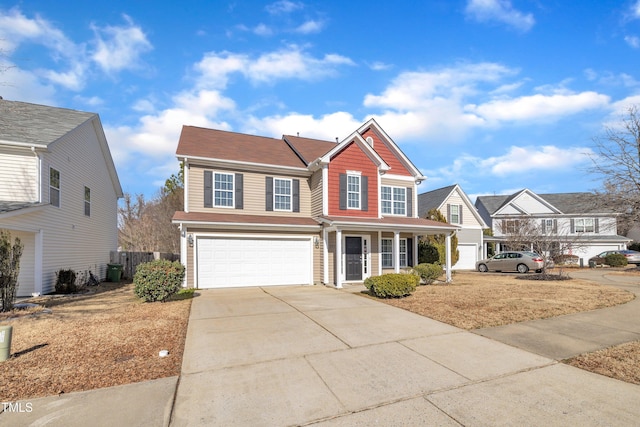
(575, 219)
(59, 191)
(454, 204)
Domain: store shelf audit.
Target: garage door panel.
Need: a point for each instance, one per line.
(467, 259)
(231, 262)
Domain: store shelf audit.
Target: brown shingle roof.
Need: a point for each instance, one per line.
(309, 149)
(223, 145)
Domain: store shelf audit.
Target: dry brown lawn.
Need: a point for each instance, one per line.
(476, 300)
(94, 340)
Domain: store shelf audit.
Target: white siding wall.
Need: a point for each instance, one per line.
(18, 173)
(72, 240)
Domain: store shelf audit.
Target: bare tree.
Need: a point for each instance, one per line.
(145, 225)
(617, 161)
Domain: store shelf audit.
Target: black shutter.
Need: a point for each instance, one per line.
(573, 225)
(410, 252)
(364, 193)
(239, 191)
(597, 225)
(208, 189)
(269, 193)
(448, 213)
(295, 195)
(343, 191)
(409, 202)
(555, 226)
(544, 226)
(460, 214)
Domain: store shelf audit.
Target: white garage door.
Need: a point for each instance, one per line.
(467, 259)
(232, 262)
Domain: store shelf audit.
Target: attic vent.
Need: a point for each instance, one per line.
(369, 141)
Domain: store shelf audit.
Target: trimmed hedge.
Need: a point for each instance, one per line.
(615, 260)
(394, 285)
(428, 272)
(158, 280)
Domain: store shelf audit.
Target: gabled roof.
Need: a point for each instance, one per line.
(37, 125)
(437, 198)
(356, 138)
(372, 124)
(433, 199)
(565, 203)
(197, 142)
(41, 126)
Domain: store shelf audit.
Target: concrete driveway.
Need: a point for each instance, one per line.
(281, 356)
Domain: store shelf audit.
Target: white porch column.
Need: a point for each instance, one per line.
(183, 252)
(396, 251)
(338, 259)
(447, 246)
(415, 249)
(325, 256)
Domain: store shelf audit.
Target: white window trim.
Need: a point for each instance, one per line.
(290, 195)
(451, 214)
(233, 190)
(584, 225)
(381, 253)
(351, 174)
(393, 202)
(55, 188)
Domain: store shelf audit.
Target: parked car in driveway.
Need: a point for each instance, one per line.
(633, 257)
(519, 261)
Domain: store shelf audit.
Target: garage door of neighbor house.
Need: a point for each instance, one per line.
(467, 260)
(232, 262)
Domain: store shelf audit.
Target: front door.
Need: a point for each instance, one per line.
(353, 254)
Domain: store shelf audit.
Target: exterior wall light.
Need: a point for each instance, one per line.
(190, 240)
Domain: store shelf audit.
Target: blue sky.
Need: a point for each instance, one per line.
(494, 95)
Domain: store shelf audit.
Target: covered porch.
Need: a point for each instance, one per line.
(358, 248)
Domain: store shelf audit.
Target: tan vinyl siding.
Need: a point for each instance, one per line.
(18, 175)
(72, 240)
(468, 219)
(316, 193)
(253, 194)
(396, 182)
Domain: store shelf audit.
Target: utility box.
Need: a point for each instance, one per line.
(5, 342)
(114, 272)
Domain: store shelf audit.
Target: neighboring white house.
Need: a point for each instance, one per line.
(59, 192)
(578, 223)
(454, 204)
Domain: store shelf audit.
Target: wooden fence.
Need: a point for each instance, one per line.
(131, 260)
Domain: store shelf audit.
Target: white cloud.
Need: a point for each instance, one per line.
(310, 27)
(538, 106)
(283, 7)
(633, 41)
(287, 63)
(262, 30)
(327, 127)
(499, 11)
(379, 66)
(526, 159)
(120, 47)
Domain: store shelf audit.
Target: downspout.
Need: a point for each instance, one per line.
(38, 175)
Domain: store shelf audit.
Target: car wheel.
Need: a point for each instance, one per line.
(482, 268)
(522, 268)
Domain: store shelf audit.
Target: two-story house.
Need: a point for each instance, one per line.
(265, 211)
(574, 223)
(455, 206)
(59, 192)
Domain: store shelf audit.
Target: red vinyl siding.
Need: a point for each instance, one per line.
(352, 158)
(397, 168)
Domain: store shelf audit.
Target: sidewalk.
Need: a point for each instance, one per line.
(284, 356)
(567, 336)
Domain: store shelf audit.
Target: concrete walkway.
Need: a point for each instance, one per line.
(284, 356)
(567, 336)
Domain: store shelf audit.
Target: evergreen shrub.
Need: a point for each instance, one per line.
(394, 285)
(158, 280)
